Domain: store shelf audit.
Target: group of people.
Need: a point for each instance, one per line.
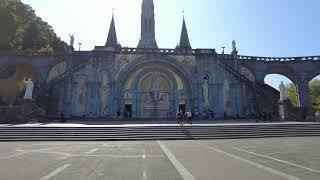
(181, 117)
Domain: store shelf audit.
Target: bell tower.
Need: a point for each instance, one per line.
(147, 39)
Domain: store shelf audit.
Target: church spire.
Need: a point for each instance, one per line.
(112, 36)
(184, 38)
(147, 39)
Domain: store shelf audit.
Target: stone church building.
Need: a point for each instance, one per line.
(149, 82)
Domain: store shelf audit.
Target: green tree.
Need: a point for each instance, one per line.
(314, 88)
(8, 26)
(31, 37)
(292, 94)
(24, 33)
(315, 94)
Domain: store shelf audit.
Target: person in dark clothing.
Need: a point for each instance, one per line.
(181, 118)
(62, 118)
(264, 116)
(212, 115)
(270, 116)
(177, 117)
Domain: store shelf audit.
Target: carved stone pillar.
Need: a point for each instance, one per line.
(259, 77)
(303, 96)
(284, 109)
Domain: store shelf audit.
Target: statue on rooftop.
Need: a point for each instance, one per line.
(71, 39)
(234, 46)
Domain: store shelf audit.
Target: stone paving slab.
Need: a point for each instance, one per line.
(249, 159)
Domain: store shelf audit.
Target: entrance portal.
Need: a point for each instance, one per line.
(128, 111)
(155, 92)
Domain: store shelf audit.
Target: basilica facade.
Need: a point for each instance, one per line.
(148, 82)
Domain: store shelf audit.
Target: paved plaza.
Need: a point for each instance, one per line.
(246, 159)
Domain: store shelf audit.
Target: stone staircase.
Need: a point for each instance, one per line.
(158, 132)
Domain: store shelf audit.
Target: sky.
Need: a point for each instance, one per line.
(260, 27)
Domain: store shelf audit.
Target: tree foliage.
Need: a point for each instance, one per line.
(22, 32)
(315, 94)
(291, 93)
(314, 88)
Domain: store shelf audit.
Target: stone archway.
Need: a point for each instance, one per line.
(154, 87)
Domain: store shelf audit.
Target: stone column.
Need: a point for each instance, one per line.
(303, 95)
(259, 77)
(284, 109)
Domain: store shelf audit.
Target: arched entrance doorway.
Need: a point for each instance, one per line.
(154, 89)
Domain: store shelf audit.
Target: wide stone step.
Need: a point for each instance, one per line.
(156, 128)
(157, 132)
(154, 135)
(148, 138)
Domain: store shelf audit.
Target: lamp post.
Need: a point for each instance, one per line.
(80, 44)
(223, 49)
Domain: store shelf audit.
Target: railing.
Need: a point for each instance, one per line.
(156, 51)
(278, 59)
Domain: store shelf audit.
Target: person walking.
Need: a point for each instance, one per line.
(62, 118)
(317, 115)
(189, 117)
(181, 117)
(177, 117)
(212, 115)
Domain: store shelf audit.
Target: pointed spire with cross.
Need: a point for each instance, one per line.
(184, 38)
(112, 36)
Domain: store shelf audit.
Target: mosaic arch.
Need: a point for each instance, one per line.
(155, 89)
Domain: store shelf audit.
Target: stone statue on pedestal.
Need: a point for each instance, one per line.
(29, 89)
(283, 95)
(227, 98)
(205, 88)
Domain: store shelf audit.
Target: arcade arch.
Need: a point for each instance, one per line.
(274, 80)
